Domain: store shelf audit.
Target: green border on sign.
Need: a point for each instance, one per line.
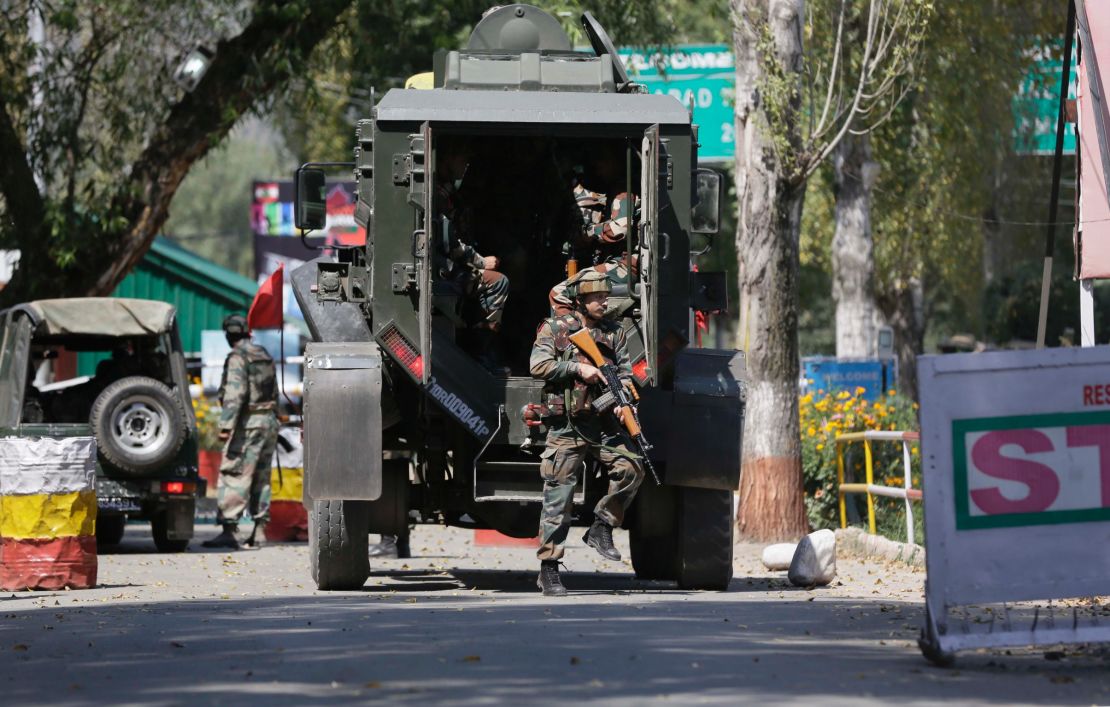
(960, 428)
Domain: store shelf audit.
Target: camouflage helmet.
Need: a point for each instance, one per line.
(592, 281)
(235, 325)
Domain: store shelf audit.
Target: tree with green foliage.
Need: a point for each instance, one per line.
(780, 145)
(95, 134)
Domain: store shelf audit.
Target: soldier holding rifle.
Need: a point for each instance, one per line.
(578, 429)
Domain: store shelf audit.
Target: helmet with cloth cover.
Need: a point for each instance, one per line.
(588, 282)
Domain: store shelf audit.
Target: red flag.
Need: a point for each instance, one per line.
(266, 311)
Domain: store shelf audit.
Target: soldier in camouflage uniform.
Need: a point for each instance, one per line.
(473, 275)
(577, 431)
(248, 428)
(604, 229)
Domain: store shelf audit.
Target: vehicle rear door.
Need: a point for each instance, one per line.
(421, 194)
(648, 249)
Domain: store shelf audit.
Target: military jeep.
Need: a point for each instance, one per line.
(135, 401)
(402, 421)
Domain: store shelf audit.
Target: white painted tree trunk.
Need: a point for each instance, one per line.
(769, 217)
(853, 261)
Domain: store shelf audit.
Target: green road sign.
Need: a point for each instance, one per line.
(1036, 105)
(699, 75)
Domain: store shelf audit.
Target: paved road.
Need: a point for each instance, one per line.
(465, 625)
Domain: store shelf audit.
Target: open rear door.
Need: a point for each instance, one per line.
(421, 194)
(648, 249)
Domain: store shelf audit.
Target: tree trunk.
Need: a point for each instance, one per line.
(770, 207)
(903, 309)
(853, 262)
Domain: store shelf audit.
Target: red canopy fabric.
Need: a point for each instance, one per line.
(266, 311)
(1092, 232)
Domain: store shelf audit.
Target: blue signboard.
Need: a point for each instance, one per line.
(830, 375)
(702, 76)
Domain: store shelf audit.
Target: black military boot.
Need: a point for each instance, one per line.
(600, 538)
(258, 536)
(386, 548)
(548, 580)
(225, 539)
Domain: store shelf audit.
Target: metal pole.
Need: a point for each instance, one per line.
(907, 481)
(870, 480)
(1050, 236)
(840, 483)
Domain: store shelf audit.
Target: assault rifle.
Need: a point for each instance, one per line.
(616, 394)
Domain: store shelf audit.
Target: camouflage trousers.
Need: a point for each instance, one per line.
(245, 473)
(491, 290)
(561, 465)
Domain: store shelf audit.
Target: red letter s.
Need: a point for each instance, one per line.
(1041, 480)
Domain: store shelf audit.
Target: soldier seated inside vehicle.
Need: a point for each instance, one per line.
(514, 197)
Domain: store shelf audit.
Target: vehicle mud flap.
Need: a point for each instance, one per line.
(652, 532)
(180, 513)
(343, 421)
(705, 538)
(706, 420)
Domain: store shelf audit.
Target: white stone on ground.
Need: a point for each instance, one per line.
(814, 561)
(778, 556)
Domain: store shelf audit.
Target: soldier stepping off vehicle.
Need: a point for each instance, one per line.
(577, 428)
(248, 429)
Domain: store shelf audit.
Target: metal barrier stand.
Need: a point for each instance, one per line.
(907, 493)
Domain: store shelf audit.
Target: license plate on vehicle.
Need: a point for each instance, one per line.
(116, 503)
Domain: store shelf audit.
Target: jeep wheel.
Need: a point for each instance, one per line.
(339, 544)
(651, 533)
(159, 527)
(704, 538)
(138, 423)
(109, 528)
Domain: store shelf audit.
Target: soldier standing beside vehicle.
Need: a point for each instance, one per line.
(248, 429)
(576, 430)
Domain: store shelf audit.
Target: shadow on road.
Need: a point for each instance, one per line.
(431, 644)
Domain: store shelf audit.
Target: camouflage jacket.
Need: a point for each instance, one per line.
(604, 221)
(555, 360)
(248, 388)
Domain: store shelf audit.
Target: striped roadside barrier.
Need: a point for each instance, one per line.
(288, 517)
(47, 513)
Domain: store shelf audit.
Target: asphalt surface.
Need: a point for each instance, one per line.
(461, 624)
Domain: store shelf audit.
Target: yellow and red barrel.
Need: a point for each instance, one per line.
(288, 517)
(47, 513)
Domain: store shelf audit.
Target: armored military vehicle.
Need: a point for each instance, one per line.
(404, 418)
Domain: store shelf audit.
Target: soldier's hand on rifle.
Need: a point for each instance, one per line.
(617, 410)
(490, 262)
(589, 374)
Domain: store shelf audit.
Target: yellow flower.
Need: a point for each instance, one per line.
(820, 446)
(843, 395)
(812, 431)
(860, 390)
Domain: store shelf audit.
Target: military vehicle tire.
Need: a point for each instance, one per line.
(651, 533)
(705, 538)
(109, 528)
(138, 423)
(339, 544)
(159, 527)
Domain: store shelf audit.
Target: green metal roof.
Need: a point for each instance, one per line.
(203, 292)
